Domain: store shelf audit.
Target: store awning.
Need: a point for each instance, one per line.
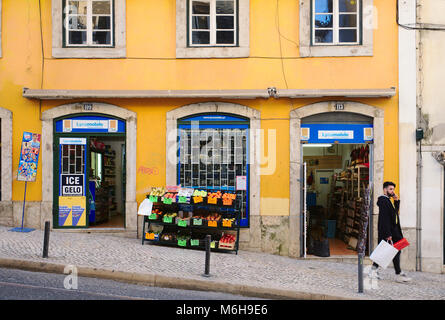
(53, 94)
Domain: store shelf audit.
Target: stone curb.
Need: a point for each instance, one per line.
(156, 280)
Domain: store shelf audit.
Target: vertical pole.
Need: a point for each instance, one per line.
(24, 201)
(360, 273)
(305, 207)
(207, 261)
(46, 240)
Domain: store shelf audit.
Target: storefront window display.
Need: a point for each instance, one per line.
(213, 154)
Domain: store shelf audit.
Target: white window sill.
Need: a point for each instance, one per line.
(212, 52)
(336, 51)
(95, 53)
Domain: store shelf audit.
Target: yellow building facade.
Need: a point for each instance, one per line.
(277, 64)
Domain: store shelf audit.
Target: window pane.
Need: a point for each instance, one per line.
(224, 7)
(323, 20)
(77, 37)
(347, 5)
(200, 7)
(323, 36)
(200, 22)
(77, 22)
(348, 35)
(224, 22)
(322, 6)
(101, 37)
(348, 20)
(101, 22)
(77, 7)
(200, 37)
(225, 37)
(101, 7)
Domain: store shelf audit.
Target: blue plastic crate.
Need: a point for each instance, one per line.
(331, 226)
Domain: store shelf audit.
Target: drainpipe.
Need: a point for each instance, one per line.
(419, 204)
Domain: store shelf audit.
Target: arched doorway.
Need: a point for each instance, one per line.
(70, 153)
(343, 119)
(221, 116)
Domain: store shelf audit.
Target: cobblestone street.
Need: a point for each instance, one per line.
(246, 268)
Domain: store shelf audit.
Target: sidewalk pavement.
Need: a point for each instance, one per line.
(248, 273)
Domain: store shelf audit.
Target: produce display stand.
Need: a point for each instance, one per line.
(189, 232)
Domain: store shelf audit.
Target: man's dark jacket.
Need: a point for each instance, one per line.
(389, 222)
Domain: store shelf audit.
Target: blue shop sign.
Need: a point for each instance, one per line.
(90, 124)
(341, 133)
(214, 117)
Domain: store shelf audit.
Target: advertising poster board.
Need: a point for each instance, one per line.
(29, 157)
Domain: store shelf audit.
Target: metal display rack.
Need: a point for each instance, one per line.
(196, 232)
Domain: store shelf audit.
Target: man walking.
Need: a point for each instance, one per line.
(389, 227)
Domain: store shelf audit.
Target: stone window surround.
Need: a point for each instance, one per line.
(184, 51)
(48, 117)
(118, 51)
(6, 155)
(246, 234)
(308, 50)
(296, 166)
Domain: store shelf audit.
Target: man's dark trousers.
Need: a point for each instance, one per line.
(389, 226)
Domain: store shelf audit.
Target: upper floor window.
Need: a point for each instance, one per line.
(337, 28)
(335, 22)
(88, 28)
(212, 28)
(213, 23)
(88, 23)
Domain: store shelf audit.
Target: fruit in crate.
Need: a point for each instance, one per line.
(157, 191)
(229, 196)
(214, 217)
(228, 238)
(216, 195)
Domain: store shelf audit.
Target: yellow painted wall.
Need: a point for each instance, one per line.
(151, 35)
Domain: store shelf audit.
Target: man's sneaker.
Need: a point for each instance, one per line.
(402, 277)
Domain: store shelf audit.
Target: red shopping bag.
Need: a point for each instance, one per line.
(399, 245)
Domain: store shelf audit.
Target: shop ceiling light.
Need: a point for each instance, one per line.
(319, 145)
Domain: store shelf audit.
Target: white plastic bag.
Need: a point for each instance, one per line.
(383, 254)
(145, 207)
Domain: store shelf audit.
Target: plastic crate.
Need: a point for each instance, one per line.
(331, 228)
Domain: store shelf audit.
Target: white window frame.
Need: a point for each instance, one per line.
(362, 48)
(212, 16)
(240, 50)
(335, 25)
(89, 30)
(88, 52)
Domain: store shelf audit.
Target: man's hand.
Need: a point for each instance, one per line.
(395, 197)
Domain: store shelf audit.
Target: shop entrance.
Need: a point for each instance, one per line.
(337, 169)
(89, 175)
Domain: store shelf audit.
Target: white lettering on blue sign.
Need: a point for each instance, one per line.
(90, 124)
(335, 134)
(73, 141)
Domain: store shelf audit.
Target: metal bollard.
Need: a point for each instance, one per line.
(46, 240)
(207, 262)
(360, 273)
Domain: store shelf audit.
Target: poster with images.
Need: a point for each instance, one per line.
(72, 211)
(29, 157)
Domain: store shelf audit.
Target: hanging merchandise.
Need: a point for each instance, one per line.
(188, 215)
